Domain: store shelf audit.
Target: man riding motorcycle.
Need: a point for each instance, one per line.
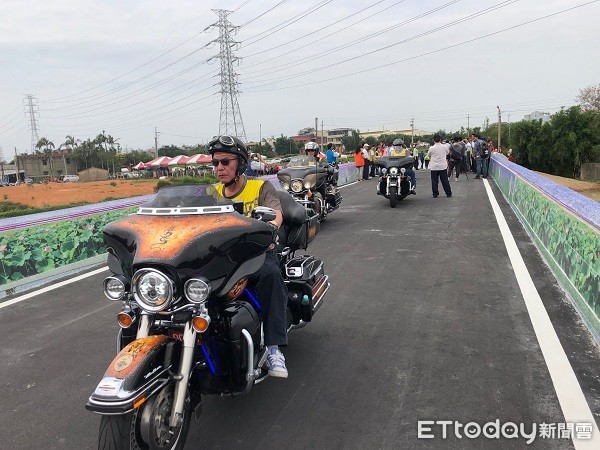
(399, 149)
(312, 149)
(230, 160)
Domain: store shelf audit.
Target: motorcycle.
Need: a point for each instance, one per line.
(189, 324)
(312, 185)
(394, 183)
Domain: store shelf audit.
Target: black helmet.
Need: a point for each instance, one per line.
(398, 143)
(233, 145)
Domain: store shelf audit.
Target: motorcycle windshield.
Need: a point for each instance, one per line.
(191, 229)
(394, 161)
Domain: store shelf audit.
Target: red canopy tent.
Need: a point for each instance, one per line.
(199, 159)
(139, 166)
(178, 160)
(161, 161)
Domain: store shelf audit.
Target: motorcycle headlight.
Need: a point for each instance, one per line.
(403, 170)
(383, 171)
(307, 185)
(297, 186)
(285, 186)
(394, 171)
(152, 290)
(114, 288)
(196, 290)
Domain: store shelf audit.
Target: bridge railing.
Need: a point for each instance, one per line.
(564, 225)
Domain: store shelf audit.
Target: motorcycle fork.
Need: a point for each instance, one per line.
(181, 379)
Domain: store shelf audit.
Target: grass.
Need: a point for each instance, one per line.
(12, 209)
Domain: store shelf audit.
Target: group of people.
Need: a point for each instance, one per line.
(442, 159)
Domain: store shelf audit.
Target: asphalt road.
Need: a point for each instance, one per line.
(424, 321)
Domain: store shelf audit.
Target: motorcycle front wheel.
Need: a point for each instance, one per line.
(320, 207)
(393, 196)
(146, 428)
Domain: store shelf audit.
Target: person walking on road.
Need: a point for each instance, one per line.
(456, 156)
(367, 161)
(439, 166)
(481, 155)
(359, 161)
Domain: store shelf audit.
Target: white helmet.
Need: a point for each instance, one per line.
(311, 147)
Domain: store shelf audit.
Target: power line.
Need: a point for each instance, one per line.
(259, 16)
(428, 53)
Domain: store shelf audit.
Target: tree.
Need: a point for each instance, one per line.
(48, 146)
(589, 98)
(285, 146)
(352, 141)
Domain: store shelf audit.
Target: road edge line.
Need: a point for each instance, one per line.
(572, 401)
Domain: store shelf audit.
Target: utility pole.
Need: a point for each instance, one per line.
(155, 143)
(469, 124)
(230, 121)
(316, 128)
(2, 162)
(17, 167)
(508, 129)
(322, 133)
(412, 127)
(499, 127)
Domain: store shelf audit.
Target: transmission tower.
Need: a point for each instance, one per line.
(31, 108)
(230, 121)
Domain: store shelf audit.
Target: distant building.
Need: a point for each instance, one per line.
(40, 165)
(538, 115)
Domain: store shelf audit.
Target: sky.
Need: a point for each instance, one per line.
(130, 67)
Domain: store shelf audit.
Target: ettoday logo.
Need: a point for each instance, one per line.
(431, 429)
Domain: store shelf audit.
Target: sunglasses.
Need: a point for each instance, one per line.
(225, 161)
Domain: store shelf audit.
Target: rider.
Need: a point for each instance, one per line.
(312, 149)
(399, 149)
(230, 159)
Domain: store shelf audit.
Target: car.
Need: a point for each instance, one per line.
(28, 181)
(69, 178)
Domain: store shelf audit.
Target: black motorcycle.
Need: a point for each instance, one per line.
(312, 185)
(189, 325)
(394, 182)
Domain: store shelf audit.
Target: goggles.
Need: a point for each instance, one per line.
(224, 141)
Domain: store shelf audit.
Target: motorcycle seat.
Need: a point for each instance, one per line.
(293, 232)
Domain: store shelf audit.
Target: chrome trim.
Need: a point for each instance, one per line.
(154, 385)
(185, 369)
(178, 211)
(143, 327)
(201, 280)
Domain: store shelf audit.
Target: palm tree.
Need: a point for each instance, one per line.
(48, 147)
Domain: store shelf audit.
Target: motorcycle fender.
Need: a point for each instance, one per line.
(139, 371)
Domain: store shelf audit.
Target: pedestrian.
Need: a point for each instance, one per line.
(359, 161)
(481, 151)
(439, 166)
(415, 154)
(456, 156)
(372, 157)
(426, 159)
(367, 161)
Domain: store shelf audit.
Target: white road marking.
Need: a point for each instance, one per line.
(51, 287)
(570, 396)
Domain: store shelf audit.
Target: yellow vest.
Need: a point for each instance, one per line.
(249, 194)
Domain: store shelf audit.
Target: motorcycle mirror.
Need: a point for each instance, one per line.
(263, 213)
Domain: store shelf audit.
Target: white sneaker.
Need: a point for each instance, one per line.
(456, 179)
(276, 363)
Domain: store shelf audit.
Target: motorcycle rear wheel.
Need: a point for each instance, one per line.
(145, 429)
(393, 196)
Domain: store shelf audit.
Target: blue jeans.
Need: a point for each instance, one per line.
(413, 177)
(272, 295)
(482, 167)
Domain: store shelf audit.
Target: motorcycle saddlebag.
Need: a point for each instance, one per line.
(299, 227)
